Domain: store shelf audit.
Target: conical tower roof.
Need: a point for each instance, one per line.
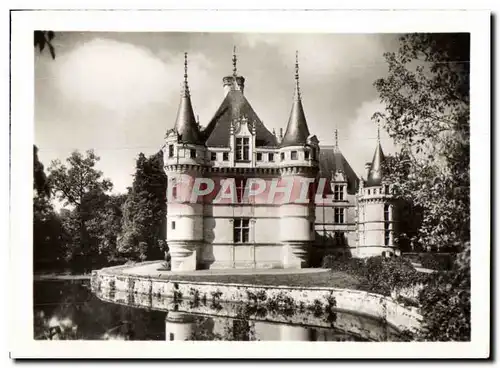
(185, 122)
(297, 131)
(375, 173)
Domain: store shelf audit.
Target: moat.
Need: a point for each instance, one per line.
(70, 310)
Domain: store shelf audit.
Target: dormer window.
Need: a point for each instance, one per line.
(293, 155)
(338, 192)
(171, 150)
(242, 149)
(192, 153)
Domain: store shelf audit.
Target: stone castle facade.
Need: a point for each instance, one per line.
(348, 214)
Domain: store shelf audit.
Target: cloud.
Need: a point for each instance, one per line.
(113, 75)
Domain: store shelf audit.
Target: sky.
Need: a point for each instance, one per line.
(118, 93)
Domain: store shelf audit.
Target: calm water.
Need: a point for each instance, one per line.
(69, 310)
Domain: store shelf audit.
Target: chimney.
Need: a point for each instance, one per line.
(368, 166)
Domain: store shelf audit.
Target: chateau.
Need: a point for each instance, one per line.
(337, 212)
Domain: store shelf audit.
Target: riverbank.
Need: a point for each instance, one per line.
(132, 283)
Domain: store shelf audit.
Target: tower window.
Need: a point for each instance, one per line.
(225, 156)
(173, 225)
(387, 237)
(338, 215)
(213, 156)
(282, 156)
(386, 212)
(271, 157)
(171, 150)
(242, 149)
(171, 336)
(241, 230)
(293, 155)
(306, 155)
(240, 189)
(259, 156)
(368, 191)
(338, 193)
(192, 153)
(174, 191)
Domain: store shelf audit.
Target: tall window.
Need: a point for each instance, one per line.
(192, 153)
(271, 157)
(282, 156)
(241, 230)
(386, 212)
(387, 237)
(171, 150)
(338, 192)
(213, 156)
(386, 189)
(240, 189)
(259, 156)
(225, 156)
(338, 215)
(242, 149)
(293, 155)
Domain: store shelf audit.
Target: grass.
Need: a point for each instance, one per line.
(322, 279)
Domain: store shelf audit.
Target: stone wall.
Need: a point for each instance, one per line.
(355, 301)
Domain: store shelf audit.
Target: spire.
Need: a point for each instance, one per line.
(185, 123)
(297, 131)
(186, 86)
(336, 139)
(375, 173)
(297, 85)
(234, 61)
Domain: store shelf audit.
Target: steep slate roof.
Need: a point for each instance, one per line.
(235, 105)
(296, 130)
(185, 122)
(331, 160)
(375, 173)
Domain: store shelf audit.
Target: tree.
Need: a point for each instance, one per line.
(47, 230)
(81, 186)
(426, 97)
(42, 39)
(144, 211)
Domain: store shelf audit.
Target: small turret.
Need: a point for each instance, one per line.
(185, 122)
(374, 177)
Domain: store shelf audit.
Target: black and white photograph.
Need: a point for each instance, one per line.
(286, 183)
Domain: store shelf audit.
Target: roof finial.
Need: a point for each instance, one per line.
(186, 87)
(378, 132)
(297, 86)
(336, 139)
(234, 61)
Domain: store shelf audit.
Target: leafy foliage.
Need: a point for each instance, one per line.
(44, 38)
(445, 303)
(81, 186)
(144, 211)
(426, 94)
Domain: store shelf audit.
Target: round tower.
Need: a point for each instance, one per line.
(179, 326)
(299, 154)
(376, 211)
(184, 156)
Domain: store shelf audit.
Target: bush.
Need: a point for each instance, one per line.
(445, 303)
(437, 261)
